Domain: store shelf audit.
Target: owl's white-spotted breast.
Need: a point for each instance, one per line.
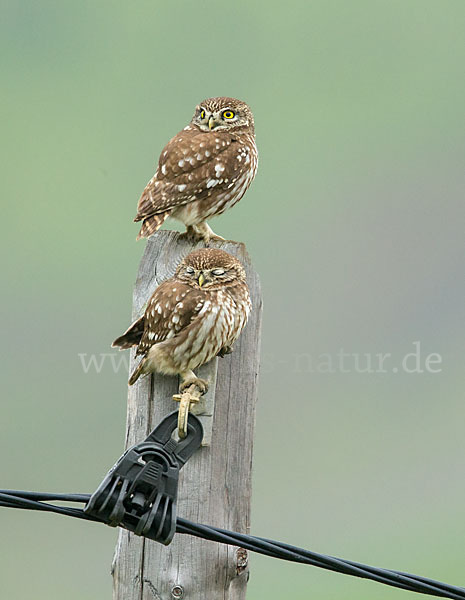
(204, 170)
(192, 317)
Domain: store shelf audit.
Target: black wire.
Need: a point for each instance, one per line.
(39, 501)
(279, 550)
(40, 496)
(14, 499)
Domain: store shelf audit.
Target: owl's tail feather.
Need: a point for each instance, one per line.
(152, 224)
(137, 372)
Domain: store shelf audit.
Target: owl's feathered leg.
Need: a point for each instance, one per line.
(201, 233)
(189, 378)
(189, 234)
(206, 232)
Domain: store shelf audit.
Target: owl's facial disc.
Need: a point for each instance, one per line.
(207, 278)
(210, 268)
(218, 120)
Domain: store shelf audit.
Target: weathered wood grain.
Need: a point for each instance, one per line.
(215, 484)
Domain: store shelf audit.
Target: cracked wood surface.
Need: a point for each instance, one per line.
(215, 484)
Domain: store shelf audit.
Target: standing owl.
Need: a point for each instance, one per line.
(191, 317)
(204, 170)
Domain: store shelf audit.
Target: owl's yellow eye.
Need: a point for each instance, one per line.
(228, 114)
(202, 114)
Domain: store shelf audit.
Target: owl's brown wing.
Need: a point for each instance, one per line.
(132, 336)
(191, 166)
(171, 308)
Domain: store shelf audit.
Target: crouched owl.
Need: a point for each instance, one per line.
(192, 317)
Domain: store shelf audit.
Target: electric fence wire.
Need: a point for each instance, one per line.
(414, 583)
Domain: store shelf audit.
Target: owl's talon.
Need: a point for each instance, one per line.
(215, 238)
(200, 233)
(201, 384)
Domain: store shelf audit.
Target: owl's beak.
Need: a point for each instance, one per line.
(211, 123)
(201, 279)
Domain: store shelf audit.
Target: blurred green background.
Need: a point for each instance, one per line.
(355, 223)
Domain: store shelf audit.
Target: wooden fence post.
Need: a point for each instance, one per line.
(215, 484)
